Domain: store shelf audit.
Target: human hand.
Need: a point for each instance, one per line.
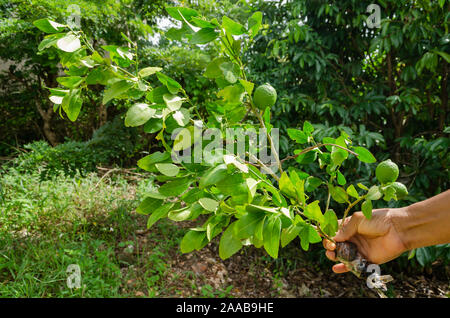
(377, 239)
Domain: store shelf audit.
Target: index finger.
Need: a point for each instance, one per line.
(329, 245)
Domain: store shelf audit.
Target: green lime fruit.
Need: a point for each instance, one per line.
(387, 171)
(400, 190)
(265, 96)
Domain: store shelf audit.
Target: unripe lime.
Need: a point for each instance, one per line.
(387, 171)
(400, 190)
(265, 96)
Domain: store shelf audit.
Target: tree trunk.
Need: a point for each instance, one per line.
(444, 97)
(45, 109)
(47, 118)
(102, 115)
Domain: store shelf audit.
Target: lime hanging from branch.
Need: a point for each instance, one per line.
(387, 171)
(265, 96)
(400, 190)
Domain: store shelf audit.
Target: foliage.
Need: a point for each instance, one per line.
(241, 202)
(26, 71)
(388, 84)
(109, 145)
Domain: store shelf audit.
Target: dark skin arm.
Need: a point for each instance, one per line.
(390, 232)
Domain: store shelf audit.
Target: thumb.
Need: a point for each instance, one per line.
(349, 229)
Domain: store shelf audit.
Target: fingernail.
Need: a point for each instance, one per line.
(331, 246)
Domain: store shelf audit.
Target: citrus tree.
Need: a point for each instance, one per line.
(388, 84)
(241, 195)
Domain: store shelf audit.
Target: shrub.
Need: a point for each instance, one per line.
(111, 144)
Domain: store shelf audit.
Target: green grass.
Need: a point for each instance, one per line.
(46, 226)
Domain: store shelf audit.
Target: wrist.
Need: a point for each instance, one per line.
(401, 221)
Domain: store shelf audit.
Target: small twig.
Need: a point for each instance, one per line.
(348, 210)
(122, 170)
(107, 173)
(263, 166)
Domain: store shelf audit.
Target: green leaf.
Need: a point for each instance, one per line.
(148, 162)
(213, 176)
(389, 193)
(423, 256)
(338, 155)
(232, 27)
(149, 205)
(232, 160)
(338, 194)
(306, 158)
(182, 117)
(154, 193)
(156, 95)
(168, 169)
(411, 254)
(246, 226)
(176, 187)
(330, 223)
(313, 212)
(56, 99)
(297, 135)
(286, 186)
(72, 103)
(116, 89)
(153, 125)
(74, 107)
(213, 69)
(49, 40)
(192, 240)
(230, 71)
(312, 183)
(98, 75)
(254, 23)
(229, 245)
(70, 43)
(173, 102)
(308, 128)
(352, 192)
(362, 186)
(364, 155)
(366, 208)
(308, 235)
(181, 214)
(158, 214)
(172, 85)
(329, 140)
(252, 185)
(248, 86)
(202, 23)
(145, 72)
(271, 235)
(374, 193)
(48, 26)
(138, 114)
(179, 12)
(192, 195)
(340, 178)
(184, 139)
(290, 233)
(232, 93)
(204, 36)
(446, 56)
(208, 204)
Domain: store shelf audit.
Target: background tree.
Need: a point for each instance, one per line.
(388, 84)
(26, 112)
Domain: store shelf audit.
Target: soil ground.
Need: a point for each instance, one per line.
(252, 273)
